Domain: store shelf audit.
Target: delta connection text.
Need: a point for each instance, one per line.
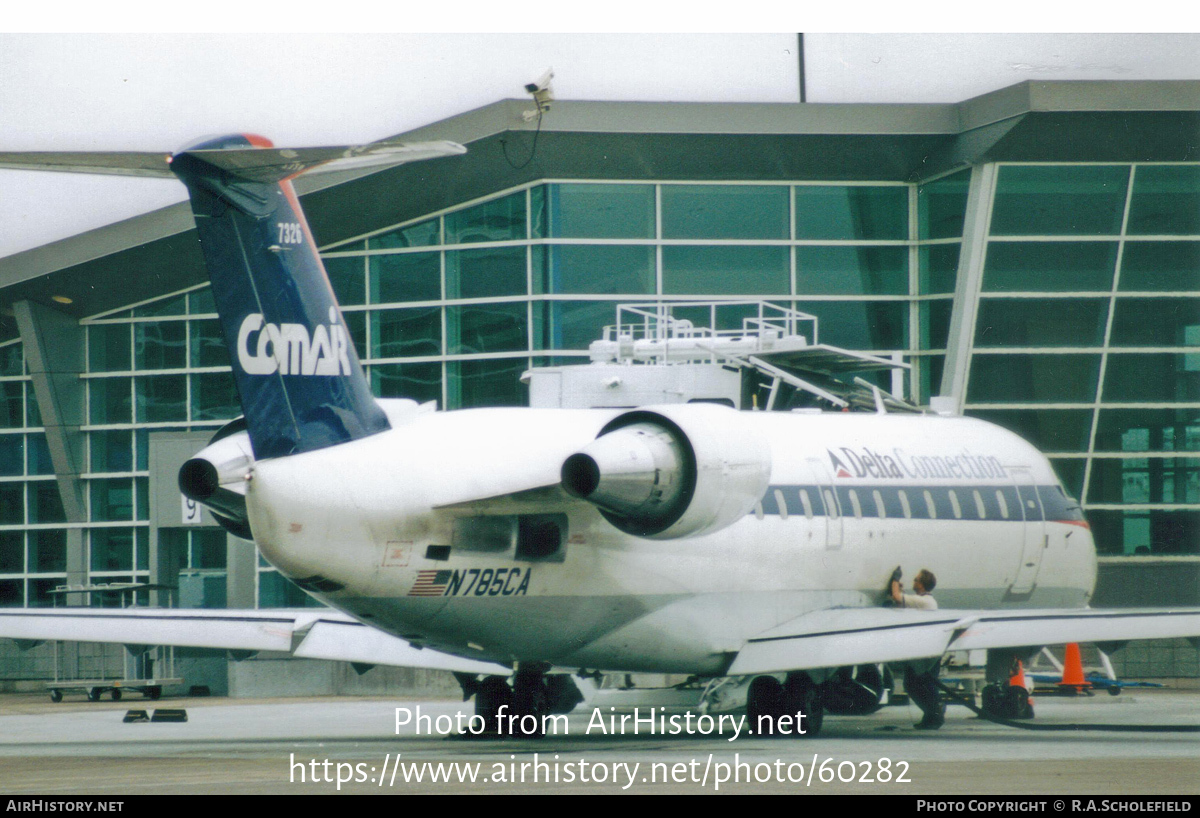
(653, 721)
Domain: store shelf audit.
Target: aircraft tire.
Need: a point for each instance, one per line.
(764, 705)
(802, 694)
(529, 698)
(492, 693)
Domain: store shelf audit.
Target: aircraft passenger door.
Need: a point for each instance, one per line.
(829, 501)
(1034, 542)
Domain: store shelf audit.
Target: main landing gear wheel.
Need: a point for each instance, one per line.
(531, 702)
(772, 707)
(492, 693)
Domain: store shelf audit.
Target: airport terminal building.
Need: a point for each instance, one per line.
(1034, 253)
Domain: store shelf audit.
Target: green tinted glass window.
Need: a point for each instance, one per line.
(1041, 322)
(419, 381)
(425, 234)
(214, 396)
(1059, 200)
(1148, 378)
(942, 206)
(38, 455)
(12, 593)
(406, 277)
(12, 503)
(841, 270)
(47, 551)
(1051, 430)
(479, 328)
(112, 549)
(111, 451)
(1161, 266)
(1145, 480)
(201, 302)
(865, 325)
(12, 404)
(1033, 378)
(1049, 266)
(722, 316)
(1148, 430)
(1156, 322)
(406, 333)
(485, 273)
(108, 348)
(12, 552)
(161, 398)
(109, 400)
(571, 324)
(12, 455)
(935, 323)
(173, 305)
(356, 325)
(208, 344)
(497, 220)
(1145, 532)
(160, 345)
(487, 383)
(587, 211)
(725, 270)
(12, 360)
(347, 276)
(112, 499)
(939, 268)
(724, 212)
(1166, 200)
(45, 503)
(594, 269)
(851, 212)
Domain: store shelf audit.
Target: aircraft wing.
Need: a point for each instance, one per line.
(853, 636)
(311, 633)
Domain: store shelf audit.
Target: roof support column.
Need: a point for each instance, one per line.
(54, 356)
(970, 279)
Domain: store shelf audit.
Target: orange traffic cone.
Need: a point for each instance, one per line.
(1022, 706)
(1018, 678)
(1073, 680)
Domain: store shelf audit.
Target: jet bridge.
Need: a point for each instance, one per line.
(658, 354)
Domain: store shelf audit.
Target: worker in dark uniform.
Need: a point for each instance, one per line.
(920, 677)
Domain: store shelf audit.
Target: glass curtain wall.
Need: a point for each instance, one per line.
(33, 542)
(1087, 340)
(454, 307)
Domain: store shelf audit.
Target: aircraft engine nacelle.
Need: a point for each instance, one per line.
(216, 478)
(679, 471)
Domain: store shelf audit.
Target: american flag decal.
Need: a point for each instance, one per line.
(430, 583)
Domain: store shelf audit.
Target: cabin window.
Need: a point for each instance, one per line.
(1003, 503)
(880, 511)
(955, 506)
(855, 504)
(979, 507)
(806, 503)
(904, 504)
(779, 501)
(929, 504)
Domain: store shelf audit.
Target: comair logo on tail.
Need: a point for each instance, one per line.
(264, 349)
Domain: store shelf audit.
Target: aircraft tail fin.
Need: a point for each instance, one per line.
(300, 381)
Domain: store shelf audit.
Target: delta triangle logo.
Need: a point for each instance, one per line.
(839, 468)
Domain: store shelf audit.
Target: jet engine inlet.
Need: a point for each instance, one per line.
(214, 479)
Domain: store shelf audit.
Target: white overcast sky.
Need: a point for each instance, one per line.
(158, 91)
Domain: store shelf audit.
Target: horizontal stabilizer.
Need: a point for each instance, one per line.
(257, 164)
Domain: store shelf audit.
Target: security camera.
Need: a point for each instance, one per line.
(542, 93)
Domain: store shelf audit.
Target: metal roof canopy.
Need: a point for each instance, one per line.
(1087, 121)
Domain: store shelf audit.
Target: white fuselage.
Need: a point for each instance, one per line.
(383, 527)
